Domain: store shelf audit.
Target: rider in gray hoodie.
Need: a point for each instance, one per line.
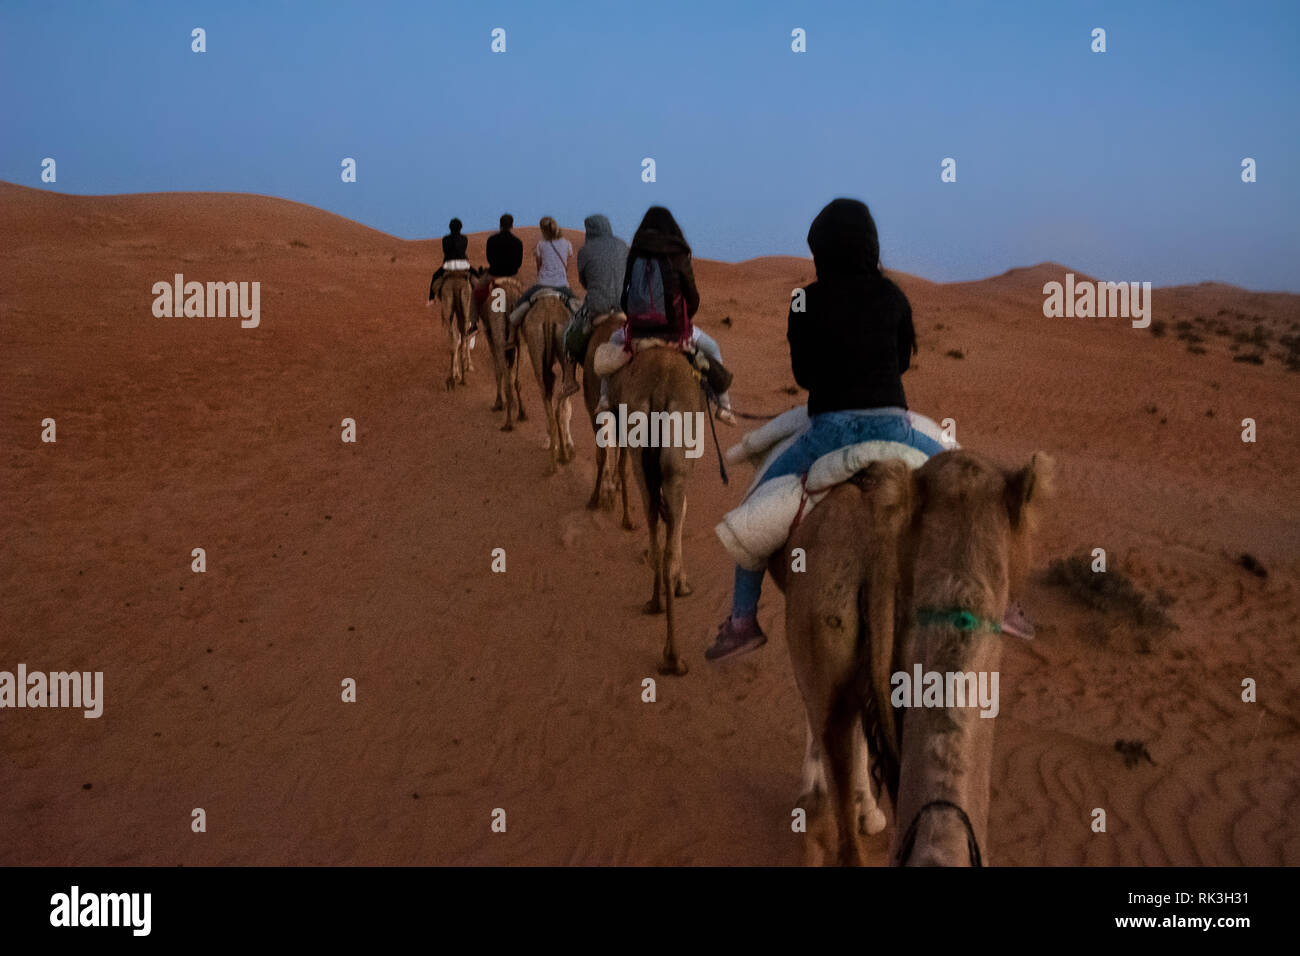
(601, 261)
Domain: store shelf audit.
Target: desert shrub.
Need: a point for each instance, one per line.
(1110, 592)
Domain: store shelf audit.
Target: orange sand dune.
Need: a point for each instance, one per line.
(522, 690)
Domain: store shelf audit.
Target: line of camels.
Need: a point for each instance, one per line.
(952, 537)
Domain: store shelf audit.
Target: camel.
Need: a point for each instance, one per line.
(611, 464)
(662, 380)
(950, 539)
(969, 546)
(542, 327)
(455, 293)
(851, 542)
(502, 297)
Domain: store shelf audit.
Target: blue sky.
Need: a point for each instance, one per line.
(1124, 164)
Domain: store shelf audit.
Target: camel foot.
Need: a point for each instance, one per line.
(871, 822)
(507, 427)
(498, 405)
(451, 384)
(593, 503)
(629, 524)
(683, 589)
(653, 606)
(521, 416)
(673, 667)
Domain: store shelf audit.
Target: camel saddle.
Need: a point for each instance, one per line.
(610, 358)
(458, 275)
(759, 526)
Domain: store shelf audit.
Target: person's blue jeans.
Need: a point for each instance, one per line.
(829, 431)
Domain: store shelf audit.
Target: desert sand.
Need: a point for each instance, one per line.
(522, 690)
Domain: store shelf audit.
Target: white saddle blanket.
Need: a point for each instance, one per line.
(755, 529)
(455, 265)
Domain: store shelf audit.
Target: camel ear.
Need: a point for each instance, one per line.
(1027, 489)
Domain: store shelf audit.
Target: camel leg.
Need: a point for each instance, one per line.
(594, 501)
(548, 411)
(814, 800)
(514, 395)
(622, 459)
(520, 414)
(498, 355)
(814, 771)
(681, 588)
(452, 346)
(674, 495)
(608, 479)
(464, 353)
(565, 425)
(650, 502)
(837, 741)
(871, 819)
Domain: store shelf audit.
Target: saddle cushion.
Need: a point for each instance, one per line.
(611, 357)
(760, 525)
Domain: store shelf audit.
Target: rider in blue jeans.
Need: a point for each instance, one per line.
(850, 344)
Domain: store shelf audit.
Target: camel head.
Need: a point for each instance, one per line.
(967, 548)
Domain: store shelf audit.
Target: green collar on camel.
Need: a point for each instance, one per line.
(961, 619)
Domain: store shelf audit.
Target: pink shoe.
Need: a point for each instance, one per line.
(735, 638)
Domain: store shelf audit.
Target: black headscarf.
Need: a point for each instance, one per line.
(844, 242)
(659, 234)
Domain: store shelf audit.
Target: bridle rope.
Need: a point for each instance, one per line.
(909, 838)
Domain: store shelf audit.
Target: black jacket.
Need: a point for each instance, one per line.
(505, 254)
(455, 245)
(854, 340)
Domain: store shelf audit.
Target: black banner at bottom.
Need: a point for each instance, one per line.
(142, 906)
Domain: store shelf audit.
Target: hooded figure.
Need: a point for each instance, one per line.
(601, 262)
(849, 344)
(659, 235)
(854, 339)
